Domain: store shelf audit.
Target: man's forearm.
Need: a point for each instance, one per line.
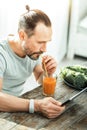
(48, 106)
(11, 103)
(40, 78)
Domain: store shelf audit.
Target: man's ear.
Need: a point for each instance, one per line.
(21, 34)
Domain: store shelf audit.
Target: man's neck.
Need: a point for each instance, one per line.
(15, 45)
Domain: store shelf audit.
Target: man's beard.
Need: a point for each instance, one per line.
(31, 56)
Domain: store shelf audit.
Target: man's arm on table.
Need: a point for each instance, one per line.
(48, 106)
(11, 103)
(38, 73)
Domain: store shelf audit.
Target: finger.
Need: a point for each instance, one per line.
(51, 63)
(47, 59)
(57, 109)
(51, 67)
(44, 57)
(55, 102)
(52, 115)
(51, 71)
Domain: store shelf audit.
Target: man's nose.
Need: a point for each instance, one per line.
(44, 48)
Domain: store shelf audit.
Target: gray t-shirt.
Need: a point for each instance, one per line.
(14, 70)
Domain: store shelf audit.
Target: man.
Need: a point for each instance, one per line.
(19, 57)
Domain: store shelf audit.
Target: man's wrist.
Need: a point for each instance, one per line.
(37, 105)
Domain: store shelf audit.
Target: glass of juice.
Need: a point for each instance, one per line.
(49, 84)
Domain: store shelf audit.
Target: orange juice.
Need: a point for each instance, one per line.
(49, 84)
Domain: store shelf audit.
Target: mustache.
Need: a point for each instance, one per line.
(36, 53)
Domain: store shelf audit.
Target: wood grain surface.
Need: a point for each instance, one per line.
(73, 118)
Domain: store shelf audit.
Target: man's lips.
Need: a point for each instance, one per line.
(36, 53)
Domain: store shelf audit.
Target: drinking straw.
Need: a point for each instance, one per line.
(45, 69)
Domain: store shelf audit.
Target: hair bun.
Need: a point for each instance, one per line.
(27, 8)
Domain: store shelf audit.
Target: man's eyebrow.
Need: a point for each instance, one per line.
(43, 41)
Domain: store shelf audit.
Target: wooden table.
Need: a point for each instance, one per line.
(74, 117)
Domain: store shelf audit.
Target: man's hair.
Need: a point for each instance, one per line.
(29, 20)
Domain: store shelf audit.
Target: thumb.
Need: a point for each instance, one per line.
(55, 102)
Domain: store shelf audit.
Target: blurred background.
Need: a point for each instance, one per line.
(69, 24)
(10, 11)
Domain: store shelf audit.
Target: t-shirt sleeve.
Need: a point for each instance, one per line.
(2, 65)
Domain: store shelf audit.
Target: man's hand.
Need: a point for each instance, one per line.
(49, 107)
(50, 64)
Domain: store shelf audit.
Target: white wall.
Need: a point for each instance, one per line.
(57, 11)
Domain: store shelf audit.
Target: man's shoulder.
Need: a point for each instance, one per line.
(2, 42)
(2, 46)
